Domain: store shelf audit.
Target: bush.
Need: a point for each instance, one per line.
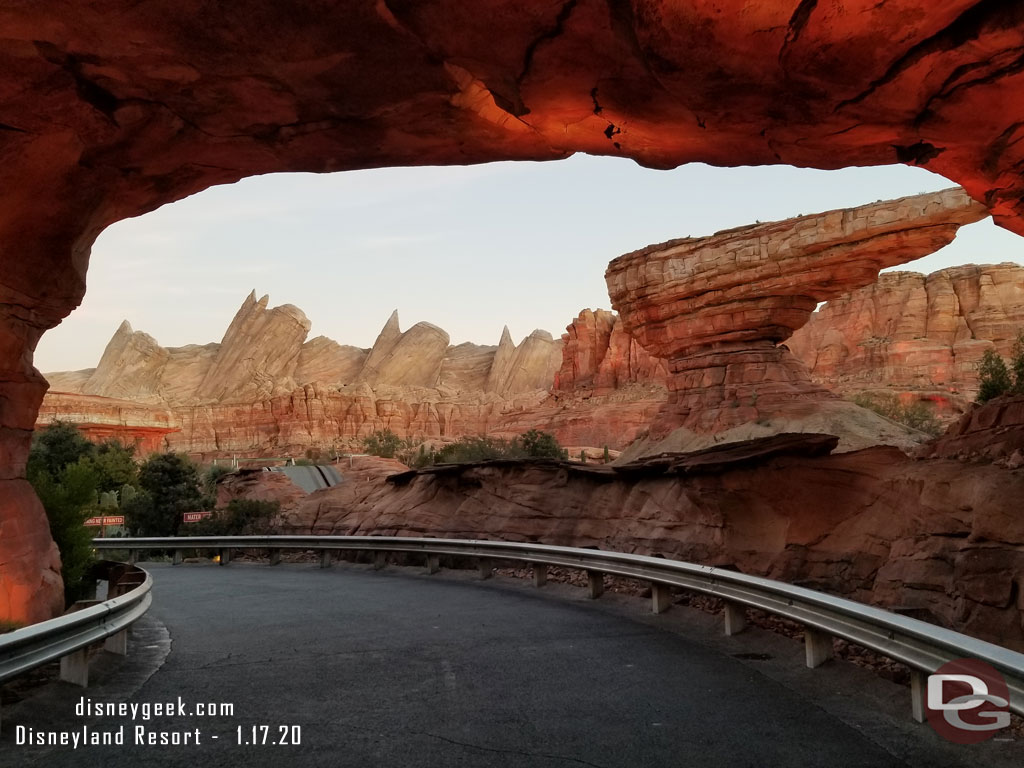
(241, 517)
(383, 443)
(212, 475)
(465, 450)
(916, 416)
(541, 445)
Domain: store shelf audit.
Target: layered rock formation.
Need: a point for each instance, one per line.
(779, 507)
(147, 427)
(600, 357)
(993, 431)
(264, 388)
(920, 336)
(106, 121)
(717, 309)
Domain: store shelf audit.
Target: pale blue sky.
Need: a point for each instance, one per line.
(467, 248)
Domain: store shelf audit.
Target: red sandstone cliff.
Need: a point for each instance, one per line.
(915, 334)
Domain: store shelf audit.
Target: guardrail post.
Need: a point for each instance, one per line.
(177, 557)
(661, 597)
(117, 643)
(133, 555)
(433, 564)
(325, 558)
(540, 574)
(595, 584)
(225, 556)
(918, 686)
(735, 618)
(486, 568)
(818, 646)
(379, 560)
(74, 668)
(275, 556)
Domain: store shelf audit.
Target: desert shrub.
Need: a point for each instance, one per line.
(383, 443)
(541, 445)
(531, 444)
(469, 449)
(241, 517)
(917, 415)
(212, 475)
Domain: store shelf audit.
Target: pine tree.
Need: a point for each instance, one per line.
(994, 377)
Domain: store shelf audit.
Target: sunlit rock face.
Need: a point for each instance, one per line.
(113, 108)
(717, 308)
(919, 336)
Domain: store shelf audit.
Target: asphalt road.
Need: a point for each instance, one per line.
(366, 668)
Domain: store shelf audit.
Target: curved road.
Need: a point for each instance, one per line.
(387, 669)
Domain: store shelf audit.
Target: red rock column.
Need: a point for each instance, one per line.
(30, 583)
(719, 308)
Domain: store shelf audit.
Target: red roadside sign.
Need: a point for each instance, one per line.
(194, 517)
(109, 520)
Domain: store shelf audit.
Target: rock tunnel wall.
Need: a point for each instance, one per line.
(113, 108)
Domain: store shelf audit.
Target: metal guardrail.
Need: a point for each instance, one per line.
(67, 637)
(921, 646)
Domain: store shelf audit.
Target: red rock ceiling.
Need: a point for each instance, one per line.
(110, 108)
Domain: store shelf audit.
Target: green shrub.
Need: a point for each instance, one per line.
(212, 475)
(383, 443)
(916, 415)
(541, 445)
(241, 517)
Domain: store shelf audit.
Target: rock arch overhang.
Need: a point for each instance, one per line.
(112, 108)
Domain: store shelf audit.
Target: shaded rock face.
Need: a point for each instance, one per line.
(717, 308)
(994, 431)
(106, 121)
(954, 550)
(914, 334)
(599, 356)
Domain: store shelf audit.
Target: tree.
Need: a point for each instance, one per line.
(69, 500)
(57, 446)
(1017, 364)
(993, 376)
(114, 465)
(170, 484)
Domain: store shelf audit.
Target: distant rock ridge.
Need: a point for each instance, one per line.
(264, 354)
